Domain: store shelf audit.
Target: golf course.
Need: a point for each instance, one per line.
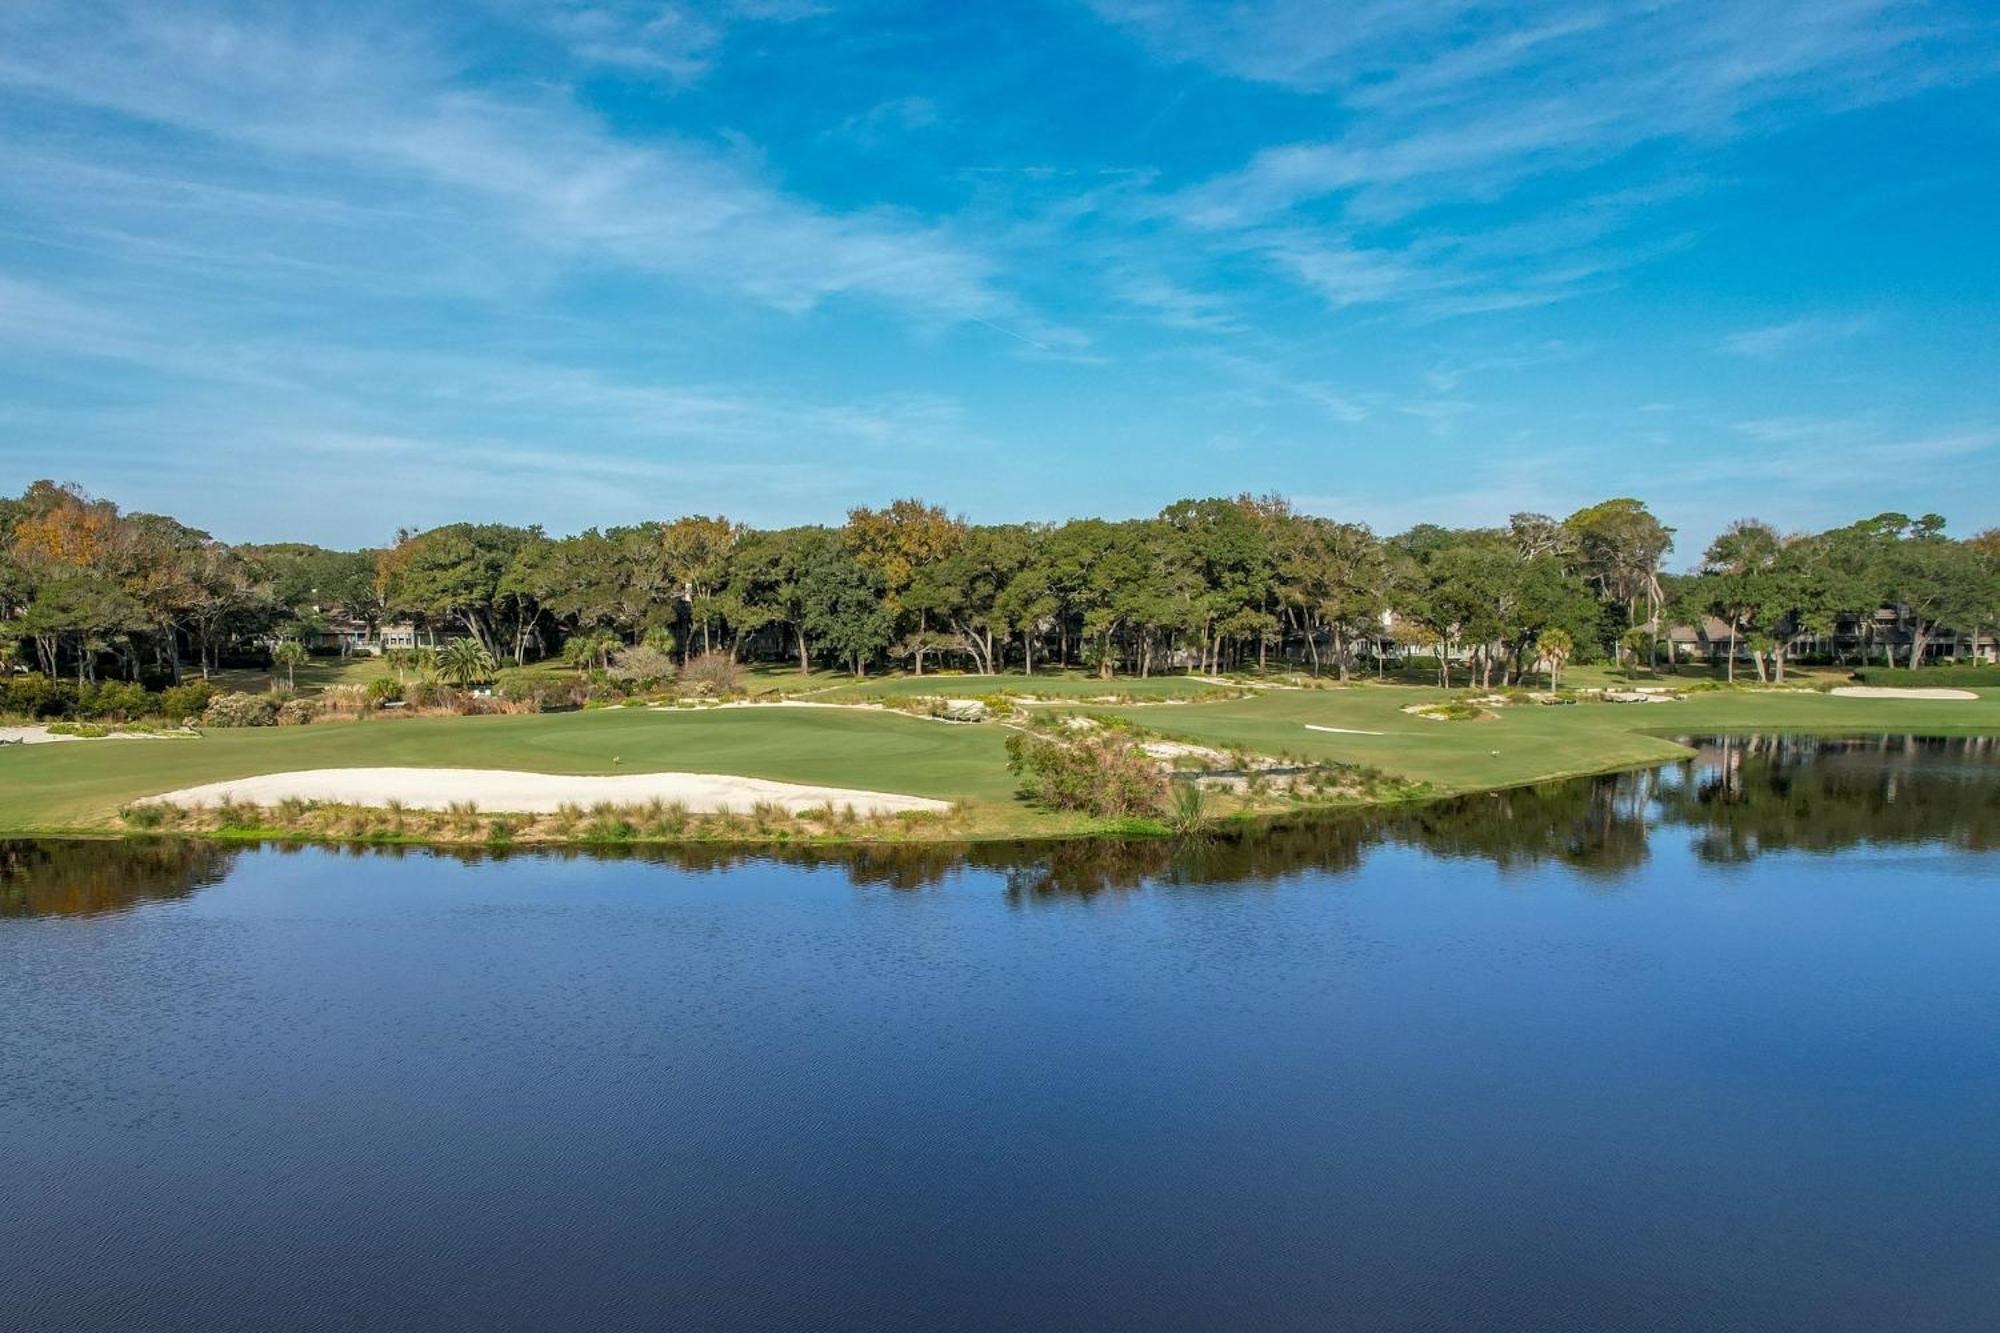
(85, 786)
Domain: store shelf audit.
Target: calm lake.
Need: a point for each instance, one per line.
(1716, 1046)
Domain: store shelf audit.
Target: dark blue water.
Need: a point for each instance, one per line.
(1717, 1047)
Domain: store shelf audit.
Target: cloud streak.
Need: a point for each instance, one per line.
(295, 95)
(1439, 107)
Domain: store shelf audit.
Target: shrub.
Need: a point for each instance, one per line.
(642, 665)
(116, 700)
(37, 696)
(89, 731)
(241, 710)
(712, 674)
(1099, 773)
(297, 712)
(182, 702)
(429, 694)
(385, 689)
(542, 694)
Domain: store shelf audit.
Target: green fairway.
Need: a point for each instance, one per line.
(1526, 743)
(84, 783)
(309, 677)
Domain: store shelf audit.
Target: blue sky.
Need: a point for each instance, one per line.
(327, 270)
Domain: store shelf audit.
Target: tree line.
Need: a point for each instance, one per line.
(1206, 585)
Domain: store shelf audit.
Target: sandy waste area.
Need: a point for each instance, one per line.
(510, 792)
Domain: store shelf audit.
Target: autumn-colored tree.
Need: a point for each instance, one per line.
(893, 544)
(694, 557)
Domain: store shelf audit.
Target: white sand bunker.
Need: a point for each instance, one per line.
(508, 792)
(41, 735)
(1899, 692)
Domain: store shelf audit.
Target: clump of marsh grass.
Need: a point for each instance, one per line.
(1189, 808)
(146, 815)
(670, 820)
(608, 823)
(234, 816)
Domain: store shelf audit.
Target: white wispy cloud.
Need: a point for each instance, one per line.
(1450, 105)
(679, 41)
(287, 94)
(1773, 341)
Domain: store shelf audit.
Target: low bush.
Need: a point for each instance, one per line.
(429, 694)
(543, 694)
(1099, 773)
(642, 665)
(115, 700)
(385, 690)
(712, 674)
(241, 710)
(184, 701)
(297, 712)
(37, 696)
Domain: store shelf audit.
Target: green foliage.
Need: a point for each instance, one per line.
(1100, 773)
(288, 655)
(1207, 586)
(116, 700)
(182, 702)
(35, 695)
(465, 662)
(146, 815)
(543, 694)
(1189, 808)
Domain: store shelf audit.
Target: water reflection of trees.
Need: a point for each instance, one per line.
(1741, 797)
(55, 877)
(1752, 794)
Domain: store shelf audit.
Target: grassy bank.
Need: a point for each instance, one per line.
(1528, 743)
(82, 786)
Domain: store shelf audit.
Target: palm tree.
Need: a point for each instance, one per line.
(465, 662)
(592, 648)
(289, 654)
(1556, 646)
